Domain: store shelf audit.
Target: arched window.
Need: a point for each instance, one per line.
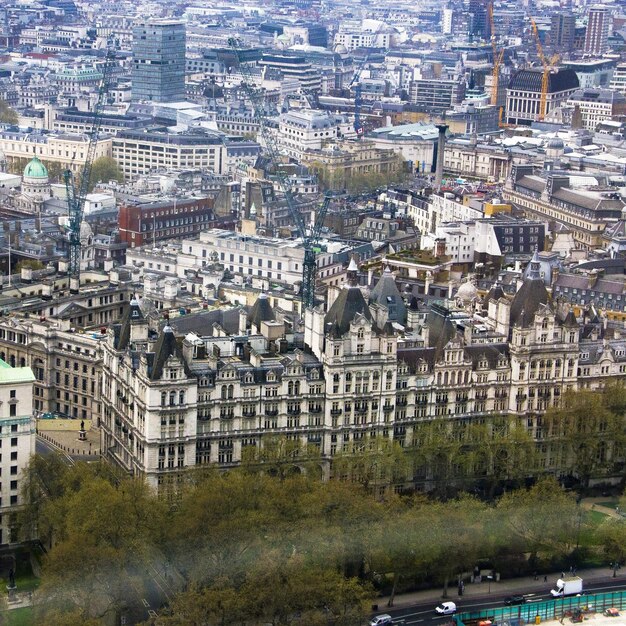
(466, 377)
(438, 379)
(290, 388)
(445, 378)
(231, 391)
(172, 398)
(22, 362)
(181, 397)
(297, 387)
(163, 398)
(12, 361)
(224, 392)
(453, 378)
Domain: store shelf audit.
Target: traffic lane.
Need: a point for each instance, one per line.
(425, 612)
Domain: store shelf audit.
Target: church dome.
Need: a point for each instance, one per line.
(467, 292)
(36, 169)
(556, 144)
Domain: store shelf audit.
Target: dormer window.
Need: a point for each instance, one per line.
(271, 377)
(249, 378)
(360, 333)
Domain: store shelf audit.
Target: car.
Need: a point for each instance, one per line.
(446, 608)
(381, 620)
(511, 600)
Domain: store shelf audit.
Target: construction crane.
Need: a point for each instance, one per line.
(310, 236)
(547, 66)
(76, 193)
(498, 55)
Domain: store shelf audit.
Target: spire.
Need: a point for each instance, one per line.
(535, 265)
(353, 269)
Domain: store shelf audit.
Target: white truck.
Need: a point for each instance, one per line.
(570, 586)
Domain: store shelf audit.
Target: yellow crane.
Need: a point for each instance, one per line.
(547, 66)
(498, 55)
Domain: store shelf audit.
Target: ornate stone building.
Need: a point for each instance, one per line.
(176, 399)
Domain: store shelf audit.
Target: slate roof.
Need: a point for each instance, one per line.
(165, 347)
(261, 311)
(386, 294)
(530, 296)
(133, 314)
(345, 308)
(530, 80)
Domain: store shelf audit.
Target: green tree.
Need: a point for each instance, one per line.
(543, 520)
(7, 114)
(377, 464)
(281, 457)
(33, 264)
(586, 434)
(105, 169)
(612, 538)
(103, 531)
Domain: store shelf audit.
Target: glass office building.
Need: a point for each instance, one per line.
(158, 72)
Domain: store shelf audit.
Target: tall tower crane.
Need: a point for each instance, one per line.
(76, 192)
(310, 237)
(498, 55)
(547, 65)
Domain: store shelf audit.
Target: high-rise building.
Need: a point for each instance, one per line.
(447, 16)
(158, 72)
(562, 30)
(478, 24)
(597, 34)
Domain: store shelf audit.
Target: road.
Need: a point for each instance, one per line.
(424, 613)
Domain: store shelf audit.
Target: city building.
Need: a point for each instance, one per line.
(158, 67)
(183, 397)
(66, 149)
(147, 222)
(140, 152)
(586, 212)
(598, 105)
(17, 431)
(523, 95)
(562, 31)
(597, 34)
(618, 81)
(435, 95)
(479, 24)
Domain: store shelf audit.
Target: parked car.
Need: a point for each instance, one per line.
(381, 620)
(511, 600)
(446, 608)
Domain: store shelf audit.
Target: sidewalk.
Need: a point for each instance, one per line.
(509, 586)
(64, 435)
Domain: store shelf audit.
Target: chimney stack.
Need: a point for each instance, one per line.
(441, 146)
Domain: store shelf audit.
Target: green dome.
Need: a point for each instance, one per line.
(35, 169)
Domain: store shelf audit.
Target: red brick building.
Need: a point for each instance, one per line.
(148, 222)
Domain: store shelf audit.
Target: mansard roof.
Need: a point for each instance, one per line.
(491, 352)
(261, 311)
(132, 315)
(166, 346)
(386, 294)
(349, 303)
(529, 297)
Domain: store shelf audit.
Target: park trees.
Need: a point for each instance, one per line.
(105, 169)
(100, 529)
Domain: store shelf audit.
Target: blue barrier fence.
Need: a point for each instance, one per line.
(545, 610)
